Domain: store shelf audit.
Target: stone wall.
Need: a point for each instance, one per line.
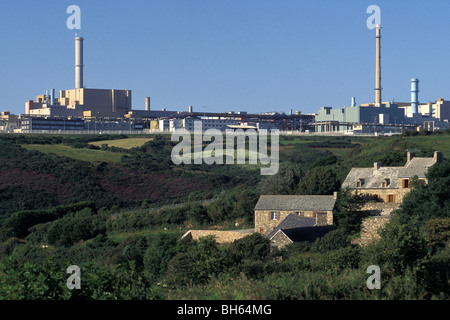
(221, 236)
(264, 224)
(380, 208)
(280, 240)
(383, 194)
(371, 228)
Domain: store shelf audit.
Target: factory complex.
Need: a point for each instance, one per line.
(90, 110)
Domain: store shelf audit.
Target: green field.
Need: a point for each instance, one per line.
(82, 154)
(127, 143)
(439, 143)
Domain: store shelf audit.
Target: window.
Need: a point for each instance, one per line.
(359, 183)
(385, 183)
(299, 213)
(273, 215)
(405, 183)
(390, 198)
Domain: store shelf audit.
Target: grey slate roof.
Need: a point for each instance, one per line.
(373, 178)
(417, 167)
(309, 234)
(293, 221)
(295, 203)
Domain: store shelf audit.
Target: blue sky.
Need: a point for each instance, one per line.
(227, 55)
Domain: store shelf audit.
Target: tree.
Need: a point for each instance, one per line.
(245, 203)
(319, 181)
(284, 181)
(253, 247)
(347, 212)
(428, 201)
(159, 253)
(197, 264)
(401, 246)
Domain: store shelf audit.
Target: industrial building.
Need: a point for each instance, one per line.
(111, 109)
(30, 124)
(78, 125)
(81, 102)
(383, 116)
(9, 122)
(164, 120)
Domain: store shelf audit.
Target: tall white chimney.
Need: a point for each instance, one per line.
(78, 62)
(378, 67)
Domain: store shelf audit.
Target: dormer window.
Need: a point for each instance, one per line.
(359, 183)
(385, 183)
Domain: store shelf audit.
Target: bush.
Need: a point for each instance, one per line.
(333, 240)
(434, 274)
(159, 253)
(253, 247)
(19, 223)
(401, 246)
(437, 232)
(198, 264)
(81, 225)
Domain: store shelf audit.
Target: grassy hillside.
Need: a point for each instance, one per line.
(116, 206)
(126, 143)
(90, 155)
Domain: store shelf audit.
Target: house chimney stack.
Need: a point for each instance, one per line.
(409, 156)
(377, 165)
(437, 156)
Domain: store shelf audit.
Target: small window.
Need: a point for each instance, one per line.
(385, 183)
(299, 213)
(359, 183)
(390, 198)
(405, 183)
(274, 215)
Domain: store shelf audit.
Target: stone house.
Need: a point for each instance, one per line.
(295, 228)
(389, 184)
(281, 212)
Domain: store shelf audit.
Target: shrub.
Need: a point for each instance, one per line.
(333, 240)
(401, 246)
(81, 225)
(19, 223)
(253, 247)
(159, 253)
